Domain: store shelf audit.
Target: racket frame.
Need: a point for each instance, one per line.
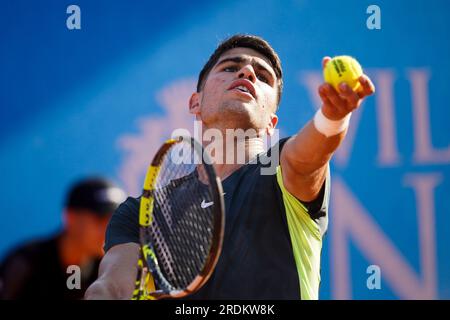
(148, 267)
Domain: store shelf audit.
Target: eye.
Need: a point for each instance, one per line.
(263, 78)
(230, 69)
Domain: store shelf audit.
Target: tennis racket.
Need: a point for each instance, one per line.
(181, 220)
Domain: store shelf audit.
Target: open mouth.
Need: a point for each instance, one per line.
(243, 86)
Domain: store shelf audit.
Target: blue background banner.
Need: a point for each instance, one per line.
(99, 100)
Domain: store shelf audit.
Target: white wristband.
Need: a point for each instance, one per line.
(330, 127)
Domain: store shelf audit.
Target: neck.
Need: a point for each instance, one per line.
(230, 152)
(70, 252)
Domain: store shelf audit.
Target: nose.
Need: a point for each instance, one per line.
(247, 72)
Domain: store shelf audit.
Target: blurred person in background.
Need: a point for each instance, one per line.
(40, 269)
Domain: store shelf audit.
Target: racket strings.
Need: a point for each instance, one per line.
(182, 227)
(185, 236)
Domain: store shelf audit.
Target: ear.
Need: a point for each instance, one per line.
(194, 104)
(272, 124)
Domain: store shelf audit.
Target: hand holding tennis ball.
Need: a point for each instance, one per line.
(345, 87)
(343, 69)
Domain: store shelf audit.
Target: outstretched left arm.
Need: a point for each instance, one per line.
(305, 156)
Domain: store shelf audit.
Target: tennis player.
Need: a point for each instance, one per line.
(274, 223)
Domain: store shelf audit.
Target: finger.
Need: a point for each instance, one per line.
(334, 97)
(367, 86)
(326, 101)
(323, 94)
(325, 61)
(349, 95)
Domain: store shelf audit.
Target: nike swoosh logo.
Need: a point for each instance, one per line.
(206, 204)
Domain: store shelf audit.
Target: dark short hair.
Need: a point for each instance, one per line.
(96, 194)
(244, 41)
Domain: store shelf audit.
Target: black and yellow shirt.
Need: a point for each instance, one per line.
(272, 243)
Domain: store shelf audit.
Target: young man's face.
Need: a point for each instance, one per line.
(239, 92)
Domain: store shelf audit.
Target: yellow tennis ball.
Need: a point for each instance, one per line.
(343, 69)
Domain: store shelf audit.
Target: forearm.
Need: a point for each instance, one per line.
(117, 274)
(104, 290)
(310, 150)
(100, 290)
